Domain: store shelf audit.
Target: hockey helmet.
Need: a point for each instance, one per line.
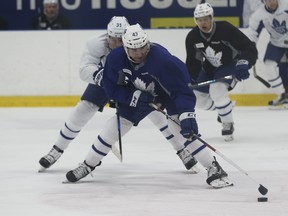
(264, 1)
(135, 37)
(116, 26)
(202, 10)
(50, 2)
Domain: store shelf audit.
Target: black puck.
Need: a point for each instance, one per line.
(262, 199)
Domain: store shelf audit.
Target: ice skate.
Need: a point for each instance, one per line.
(279, 103)
(188, 160)
(227, 131)
(80, 172)
(49, 159)
(217, 177)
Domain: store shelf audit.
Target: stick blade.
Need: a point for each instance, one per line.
(263, 190)
(117, 153)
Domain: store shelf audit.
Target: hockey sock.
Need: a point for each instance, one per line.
(220, 95)
(107, 137)
(79, 117)
(160, 121)
(273, 77)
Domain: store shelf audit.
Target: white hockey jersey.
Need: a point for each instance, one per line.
(93, 57)
(249, 7)
(275, 23)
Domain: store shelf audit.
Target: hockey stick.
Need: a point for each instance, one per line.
(263, 190)
(119, 132)
(260, 79)
(206, 83)
(116, 152)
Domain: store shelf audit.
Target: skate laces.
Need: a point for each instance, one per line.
(82, 171)
(227, 126)
(216, 169)
(53, 155)
(185, 155)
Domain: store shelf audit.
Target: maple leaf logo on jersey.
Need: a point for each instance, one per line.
(213, 57)
(279, 27)
(141, 85)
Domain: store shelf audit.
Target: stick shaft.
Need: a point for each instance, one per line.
(119, 132)
(261, 188)
(206, 83)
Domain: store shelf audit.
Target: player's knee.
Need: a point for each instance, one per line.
(87, 106)
(203, 100)
(219, 92)
(271, 69)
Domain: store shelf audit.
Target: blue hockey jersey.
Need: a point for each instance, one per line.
(162, 75)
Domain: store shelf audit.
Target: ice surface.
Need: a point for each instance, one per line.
(151, 181)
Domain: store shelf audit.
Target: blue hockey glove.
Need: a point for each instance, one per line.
(241, 70)
(141, 98)
(188, 124)
(98, 74)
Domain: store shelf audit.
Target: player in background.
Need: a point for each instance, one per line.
(215, 50)
(249, 7)
(50, 19)
(152, 75)
(94, 97)
(273, 16)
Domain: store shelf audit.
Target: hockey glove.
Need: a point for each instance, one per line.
(98, 75)
(188, 124)
(241, 70)
(141, 98)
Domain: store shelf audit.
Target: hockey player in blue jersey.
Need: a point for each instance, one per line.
(140, 73)
(273, 16)
(94, 97)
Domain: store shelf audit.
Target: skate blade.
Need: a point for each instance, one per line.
(68, 182)
(279, 107)
(228, 138)
(41, 169)
(194, 170)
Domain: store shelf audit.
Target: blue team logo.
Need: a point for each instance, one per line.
(279, 27)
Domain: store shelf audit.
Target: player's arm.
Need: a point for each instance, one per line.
(92, 61)
(176, 80)
(255, 26)
(118, 87)
(193, 64)
(247, 49)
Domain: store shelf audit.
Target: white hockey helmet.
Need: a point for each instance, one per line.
(135, 37)
(116, 26)
(202, 10)
(50, 2)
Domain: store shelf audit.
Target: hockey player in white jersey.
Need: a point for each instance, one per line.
(216, 49)
(273, 16)
(94, 98)
(249, 7)
(152, 75)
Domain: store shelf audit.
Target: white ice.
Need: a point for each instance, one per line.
(151, 181)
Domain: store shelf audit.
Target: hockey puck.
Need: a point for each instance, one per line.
(262, 199)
